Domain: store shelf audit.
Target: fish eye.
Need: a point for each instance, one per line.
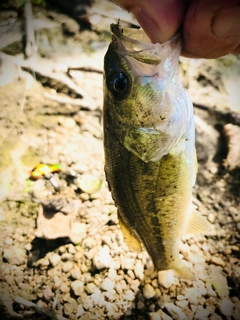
(119, 85)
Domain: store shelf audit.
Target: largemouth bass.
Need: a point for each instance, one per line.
(149, 142)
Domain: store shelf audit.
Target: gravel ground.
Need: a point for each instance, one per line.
(62, 252)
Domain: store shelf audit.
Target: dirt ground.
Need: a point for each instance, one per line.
(62, 252)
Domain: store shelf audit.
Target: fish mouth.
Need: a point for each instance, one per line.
(136, 43)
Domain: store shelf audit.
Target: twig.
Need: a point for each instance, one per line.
(31, 47)
(38, 309)
(86, 69)
(67, 100)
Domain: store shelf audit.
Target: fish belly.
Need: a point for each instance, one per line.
(153, 199)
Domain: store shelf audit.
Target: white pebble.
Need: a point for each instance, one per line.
(226, 307)
(148, 291)
(138, 270)
(88, 303)
(48, 294)
(57, 281)
(166, 278)
(185, 250)
(77, 287)
(201, 313)
(67, 266)
(14, 255)
(8, 241)
(165, 316)
(90, 287)
(135, 285)
(127, 263)
(75, 274)
(128, 295)
(182, 303)
(107, 285)
(80, 311)
(155, 316)
(218, 261)
(210, 291)
(175, 311)
(193, 296)
(98, 298)
(102, 259)
(54, 259)
(69, 123)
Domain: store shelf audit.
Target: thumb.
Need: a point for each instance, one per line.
(160, 19)
(211, 28)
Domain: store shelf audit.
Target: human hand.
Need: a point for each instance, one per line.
(210, 28)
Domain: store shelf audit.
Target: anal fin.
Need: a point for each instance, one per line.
(197, 224)
(132, 242)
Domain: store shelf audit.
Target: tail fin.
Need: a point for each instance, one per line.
(183, 272)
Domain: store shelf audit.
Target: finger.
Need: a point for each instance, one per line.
(211, 28)
(160, 19)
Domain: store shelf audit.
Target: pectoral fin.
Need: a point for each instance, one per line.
(132, 242)
(197, 224)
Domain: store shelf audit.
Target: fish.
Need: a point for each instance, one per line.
(149, 146)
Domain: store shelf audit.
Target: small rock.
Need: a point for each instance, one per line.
(226, 307)
(75, 274)
(54, 259)
(107, 285)
(210, 291)
(102, 259)
(201, 313)
(67, 266)
(77, 287)
(88, 303)
(155, 316)
(28, 246)
(165, 316)
(90, 287)
(129, 295)
(215, 316)
(48, 294)
(135, 285)
(127, 263)
(69, 123)
(175, 312)
(138, 270)
(182, 303)
(98, 298)
(201, 287)
(166, 278)
(218, 261)
(80, 311)
(218, 281)
(78, 231)
(211, 217)
(8, 241)
(15, 255)
(57, 281)
(64, 288)
(185, 250)
(193, 296)
(148, 291)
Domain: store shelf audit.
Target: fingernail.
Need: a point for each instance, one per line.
(226, 23)
(148, 24)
